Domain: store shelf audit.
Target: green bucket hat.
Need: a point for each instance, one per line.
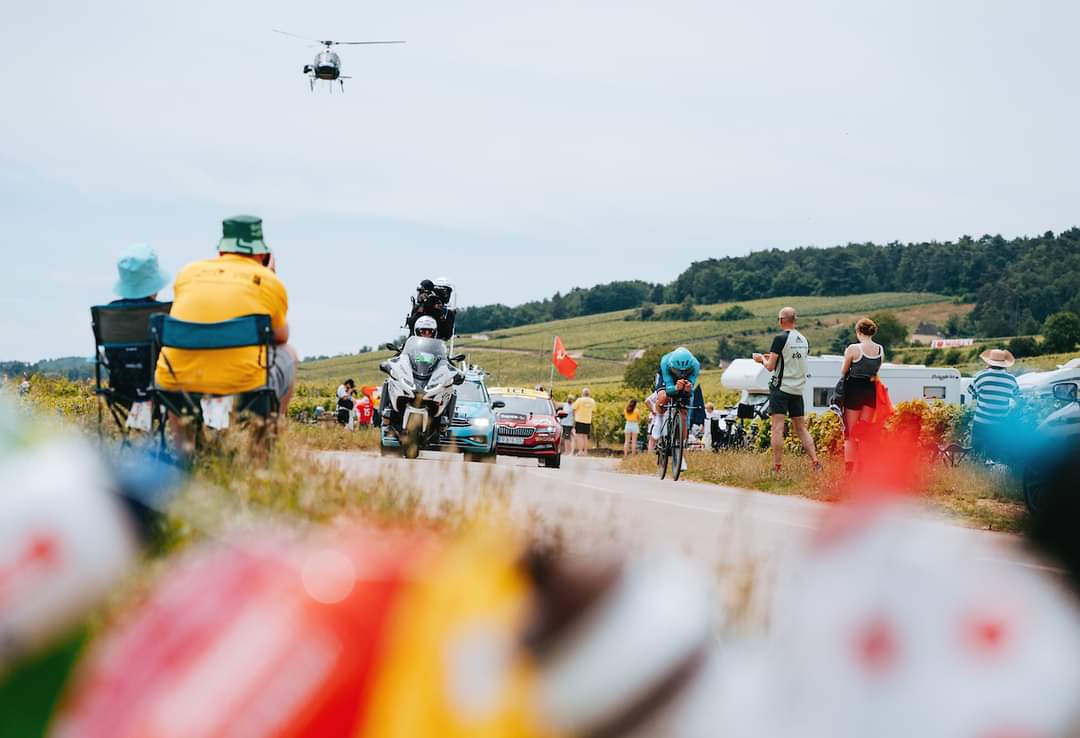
(242, 234)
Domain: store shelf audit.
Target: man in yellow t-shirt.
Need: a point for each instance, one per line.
(241, 281)
(583, 412)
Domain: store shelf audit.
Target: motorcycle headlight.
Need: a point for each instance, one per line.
(481, 422)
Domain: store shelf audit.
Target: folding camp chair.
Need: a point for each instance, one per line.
(122, 348)
(249, 330)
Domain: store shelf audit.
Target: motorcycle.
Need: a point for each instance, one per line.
(421, 390)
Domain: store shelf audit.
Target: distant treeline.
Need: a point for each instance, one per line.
(70, 367)
(1015, 283)
(603, 298)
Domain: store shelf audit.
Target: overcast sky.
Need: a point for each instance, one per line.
(519, 148)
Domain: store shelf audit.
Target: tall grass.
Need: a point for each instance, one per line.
(970, 493)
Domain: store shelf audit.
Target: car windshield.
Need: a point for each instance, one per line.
(525, 405)
(471, 392)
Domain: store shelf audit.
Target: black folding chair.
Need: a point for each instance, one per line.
(249, 330)
(122, 348)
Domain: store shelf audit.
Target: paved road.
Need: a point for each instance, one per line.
(593, 508)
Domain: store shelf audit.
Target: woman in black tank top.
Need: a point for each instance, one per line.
(862, 361)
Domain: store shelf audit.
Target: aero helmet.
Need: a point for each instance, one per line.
(682, 359)
(425, 323)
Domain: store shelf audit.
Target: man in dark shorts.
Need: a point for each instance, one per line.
(583, 407)
(787, 361)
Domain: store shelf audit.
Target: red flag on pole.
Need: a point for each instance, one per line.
(562, 361)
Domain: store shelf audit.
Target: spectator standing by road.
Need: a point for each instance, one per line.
(787, 362)
(995, 392)
(583, 412)
(567, 423)
(862, 361)
(632, 428)
(652, 428)
(345, 403)
(241, 280)
(710, 437)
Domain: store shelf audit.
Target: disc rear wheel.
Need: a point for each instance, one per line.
(676, 447)
(662, 455)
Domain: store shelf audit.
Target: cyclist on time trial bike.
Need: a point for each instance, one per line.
(677, 378)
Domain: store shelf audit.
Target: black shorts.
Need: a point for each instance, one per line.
(582, 429)
(567, 431)
(859, 393)
(782, 403)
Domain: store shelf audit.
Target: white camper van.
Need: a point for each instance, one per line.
(1041, 384)
(905, 382)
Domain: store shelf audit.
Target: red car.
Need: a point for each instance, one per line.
(527, 426)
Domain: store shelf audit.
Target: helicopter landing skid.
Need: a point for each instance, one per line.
(340, 81)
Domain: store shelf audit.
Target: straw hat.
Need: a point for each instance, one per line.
(998, 357)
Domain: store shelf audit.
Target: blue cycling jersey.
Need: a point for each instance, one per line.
(669, 375)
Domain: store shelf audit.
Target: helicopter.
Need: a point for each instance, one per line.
(327, 64)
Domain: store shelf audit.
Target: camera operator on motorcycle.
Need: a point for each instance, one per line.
(676, 379)
(433, 300)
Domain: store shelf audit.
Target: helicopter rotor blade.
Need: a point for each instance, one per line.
(286, 33)
(364, 43)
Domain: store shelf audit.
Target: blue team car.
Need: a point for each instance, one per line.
(472, 429)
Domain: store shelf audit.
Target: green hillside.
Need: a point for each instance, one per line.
(602, 343)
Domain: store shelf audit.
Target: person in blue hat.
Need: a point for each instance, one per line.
(140, 276)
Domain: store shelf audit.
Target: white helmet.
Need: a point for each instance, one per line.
(425, 323)
(442, 289)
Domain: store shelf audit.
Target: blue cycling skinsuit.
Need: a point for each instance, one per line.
(668, 375)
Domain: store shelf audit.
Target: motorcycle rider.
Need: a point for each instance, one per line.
(433, 299)
(425, 327)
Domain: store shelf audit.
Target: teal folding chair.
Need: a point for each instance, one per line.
(249, 330)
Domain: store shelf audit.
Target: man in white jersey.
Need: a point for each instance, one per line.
(787, 361)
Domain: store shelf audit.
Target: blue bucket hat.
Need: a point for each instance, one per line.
(140, 275)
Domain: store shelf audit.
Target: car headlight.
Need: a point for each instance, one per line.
(481, 422)
(546, 429)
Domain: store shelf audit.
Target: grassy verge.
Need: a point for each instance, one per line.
(968, 494)
(234, 486)
(329, 437)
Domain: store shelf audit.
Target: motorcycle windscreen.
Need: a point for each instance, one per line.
(424, 354)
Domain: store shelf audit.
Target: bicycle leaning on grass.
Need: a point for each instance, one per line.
(672, 441)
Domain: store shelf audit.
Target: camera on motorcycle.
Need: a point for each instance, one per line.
(1065, 392)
